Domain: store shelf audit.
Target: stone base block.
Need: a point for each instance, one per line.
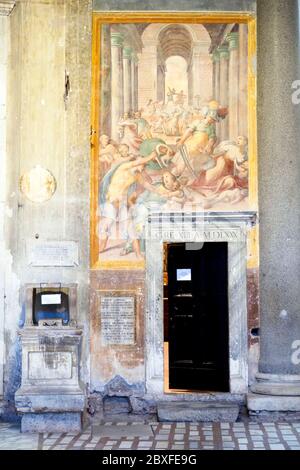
(51, 422)
(197, 412)
(277, 384)
(116, 405)
(256, 402)
(54, 401)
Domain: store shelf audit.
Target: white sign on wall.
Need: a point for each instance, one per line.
(52, 254)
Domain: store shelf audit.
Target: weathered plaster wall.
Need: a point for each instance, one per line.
(109, 361)
(4, 45)
(47, 40)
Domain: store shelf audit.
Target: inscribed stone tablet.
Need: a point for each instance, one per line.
(117, 320)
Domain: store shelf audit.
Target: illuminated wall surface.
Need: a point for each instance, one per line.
(112, 112)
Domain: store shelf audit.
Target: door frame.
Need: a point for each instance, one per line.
(212, 227)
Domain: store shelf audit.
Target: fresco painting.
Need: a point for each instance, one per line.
(173, 127)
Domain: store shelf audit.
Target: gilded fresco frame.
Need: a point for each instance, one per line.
(100, 18)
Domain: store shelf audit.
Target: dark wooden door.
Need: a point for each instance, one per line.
(198, 317)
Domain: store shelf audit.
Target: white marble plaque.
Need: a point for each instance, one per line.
(58, 253)
(117, 320)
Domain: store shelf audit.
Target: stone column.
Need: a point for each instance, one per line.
(233, 99)
(216, 84)
(117, 103)
(243, 79)
(127, 52)
(278, 380)
(224, 87)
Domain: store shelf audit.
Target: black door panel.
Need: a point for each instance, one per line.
(198, 317)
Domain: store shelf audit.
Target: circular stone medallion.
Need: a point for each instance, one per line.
(38, 184)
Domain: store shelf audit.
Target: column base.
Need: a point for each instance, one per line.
(275, 393)
(272, 403)
(277, 385)
(51, 422)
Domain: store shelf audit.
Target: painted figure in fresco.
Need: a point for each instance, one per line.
(143, 126)
(107, 151)
(171, 124)
(114, 192)
(201, 135)
(199, 141)
(180, 98)
(170, 95)
(160, 156)
(119, 188)
(236, 153)
(130, 133)
(228, 180)
(122, 154)
(166, 193)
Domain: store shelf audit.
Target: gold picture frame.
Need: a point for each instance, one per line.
(102, 18)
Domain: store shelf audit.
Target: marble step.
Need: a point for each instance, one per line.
(197, 411)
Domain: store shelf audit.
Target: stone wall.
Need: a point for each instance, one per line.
(46, 128)
(49, 125)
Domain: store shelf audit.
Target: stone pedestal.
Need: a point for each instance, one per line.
(277, 386)
(50, 398)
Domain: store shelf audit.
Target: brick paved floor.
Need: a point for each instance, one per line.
(159, 436)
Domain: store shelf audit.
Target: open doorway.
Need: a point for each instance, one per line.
(176, 81)
(196, 320)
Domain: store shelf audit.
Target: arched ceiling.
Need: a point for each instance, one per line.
(175, 40)
(214, 30)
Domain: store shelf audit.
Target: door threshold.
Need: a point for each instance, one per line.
(191, 392)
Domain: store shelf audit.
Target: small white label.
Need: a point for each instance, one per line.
(51, 299)
(184, 274)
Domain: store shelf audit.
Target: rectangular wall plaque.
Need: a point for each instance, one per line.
(117, 320)
(56, 253)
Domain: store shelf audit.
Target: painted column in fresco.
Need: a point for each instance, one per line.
(148, 73)
(216, 59)
(127, 52)
(105, 116)
(161, 83)
(117, 106)
(243, 79)
(224, 87)
(134, 82)
(190, 84)
(233, 39)
(202, 73)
